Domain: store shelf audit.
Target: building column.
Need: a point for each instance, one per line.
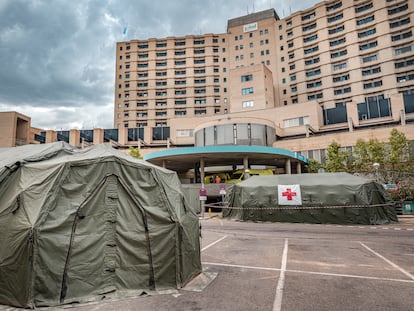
(298, 168)
(98, 136)
(202, 163)
(74, 138)
(51, 136)
(245, 166)
(287, 167)
(164, 164)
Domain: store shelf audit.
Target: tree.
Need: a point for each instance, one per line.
(313, 165)
(399, 149)
(134, 152)
(366, 153)
(336, 158)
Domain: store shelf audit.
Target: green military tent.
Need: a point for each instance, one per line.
(338, 198)
(82, 225)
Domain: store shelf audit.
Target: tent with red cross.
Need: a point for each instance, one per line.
(339, 198)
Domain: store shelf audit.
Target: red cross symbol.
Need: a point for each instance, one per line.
(289, 194)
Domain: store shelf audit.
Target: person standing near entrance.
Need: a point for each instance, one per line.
(218, 179)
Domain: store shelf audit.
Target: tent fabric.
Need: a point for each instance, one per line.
(81, 225)
(338, 198)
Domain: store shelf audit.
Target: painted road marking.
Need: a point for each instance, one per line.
(214, 243)
(388, 261)
(363, 277)
(239, 266)
(277, 305)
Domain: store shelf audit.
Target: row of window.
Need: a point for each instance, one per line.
(176, 43)
(262, 32)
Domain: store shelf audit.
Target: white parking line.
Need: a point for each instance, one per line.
(277, 304)
(388, 261)
(211, 244)
(363, 277)
(239, 266)
(350, 276)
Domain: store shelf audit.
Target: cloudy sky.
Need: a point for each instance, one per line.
(57, 57)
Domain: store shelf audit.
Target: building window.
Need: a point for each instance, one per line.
(365, 20)
(161, 64)
(398, 9)
(180, 92)
(335, 18)
(369, 45)
(371, 71)
(313, 72)
(401, 22)
(340, 78)
(336, 30)
(291, 67)
(161, 93)
(248, 104)
(180, 82)
(199, 81)
(248, 90)
(142, 65)
(369, 58)
(179, 53)
(311, 61)
(311, 50)
(158, 83)
(405, 78)
(245, 78)
(363, 8)
(161, 45)
(313, 84)
(402, 36)
(342, 91)
(293, 78)
(308, 16)
(315, 96)
(311, 38)
(180, 102)
(198, 42)
(200, 111)
(143, 46)
(309, 27)
(160, 54)
(334, 6)
(296, 121)
(337, 42)
(291, 55)
(179, 43)
(373, 84)
(199, 91)
(367, 33)
(199, 61)
(339, 66)
(180, 112)
(293, 89)
(142, 55)
(339, 54)
(404, 49)
(403, 64)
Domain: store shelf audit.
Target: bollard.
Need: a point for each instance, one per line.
(209, 212)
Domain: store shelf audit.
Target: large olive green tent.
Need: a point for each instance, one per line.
(338, 198)
(82, 225)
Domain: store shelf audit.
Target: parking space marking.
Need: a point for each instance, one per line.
(388, 261)
(277, 304)
(239, 266)
(310, 272)
(351, 276)
(214, 243)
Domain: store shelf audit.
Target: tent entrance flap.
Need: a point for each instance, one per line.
(105, 251)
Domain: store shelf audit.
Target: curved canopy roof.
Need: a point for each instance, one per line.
(183, 159)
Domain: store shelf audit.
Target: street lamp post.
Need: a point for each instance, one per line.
(376, 165)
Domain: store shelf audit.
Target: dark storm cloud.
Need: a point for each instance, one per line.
(57, 57)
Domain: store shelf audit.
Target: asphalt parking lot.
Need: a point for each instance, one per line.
(281, 266)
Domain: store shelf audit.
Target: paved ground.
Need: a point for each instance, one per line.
(280, 266)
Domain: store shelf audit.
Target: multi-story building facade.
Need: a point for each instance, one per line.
(338, 71)
(339, 66)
